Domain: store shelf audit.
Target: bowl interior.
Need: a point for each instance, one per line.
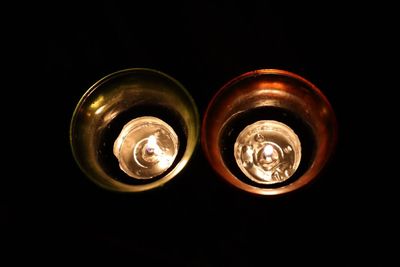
(266, 90)
(115, 100)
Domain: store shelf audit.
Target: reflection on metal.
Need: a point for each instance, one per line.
(112, 103)
(259, 151)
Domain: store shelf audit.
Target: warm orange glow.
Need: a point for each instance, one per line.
(269, 88)
(98, 102)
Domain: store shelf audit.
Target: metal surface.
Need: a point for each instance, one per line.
(270, 88)
(114, 95)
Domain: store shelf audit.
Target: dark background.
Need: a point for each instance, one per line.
(197, 219)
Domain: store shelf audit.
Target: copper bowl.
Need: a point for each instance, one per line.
(270, 88)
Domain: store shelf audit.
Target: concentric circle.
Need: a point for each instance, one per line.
(268, 152)
(146, 147)
(269, 160)
(115, 101)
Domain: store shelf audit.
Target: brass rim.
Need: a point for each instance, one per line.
(107, 181)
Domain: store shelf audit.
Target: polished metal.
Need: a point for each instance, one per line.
(270, 88)
(108, 101)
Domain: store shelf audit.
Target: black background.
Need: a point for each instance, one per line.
(197, 219)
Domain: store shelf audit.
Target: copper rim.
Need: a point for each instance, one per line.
(275, 88)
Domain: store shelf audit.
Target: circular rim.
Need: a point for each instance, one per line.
(272, 125)
(115, 185)
(210, 148)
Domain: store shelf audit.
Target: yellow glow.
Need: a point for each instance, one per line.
(97, 103)
(109, 116)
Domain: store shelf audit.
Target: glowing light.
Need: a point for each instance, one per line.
(146, 147)
(151, 146)
(100, 110)
(267, 151)
(98, 102)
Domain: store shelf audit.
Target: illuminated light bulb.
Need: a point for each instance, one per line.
(268, 152)
(146, 147)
